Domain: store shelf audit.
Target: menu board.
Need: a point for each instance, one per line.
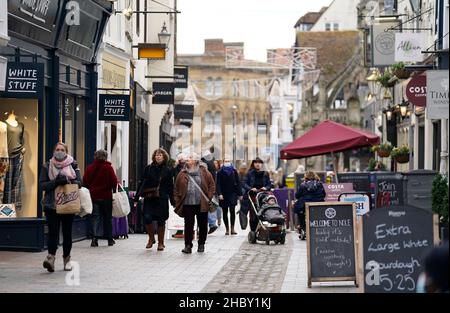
(330, 232)
(395, 240)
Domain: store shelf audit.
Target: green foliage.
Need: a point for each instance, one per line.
(385, 78)
(376, 166)
(398, 66)
(439, 194)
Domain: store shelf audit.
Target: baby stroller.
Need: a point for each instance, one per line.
(271, 220)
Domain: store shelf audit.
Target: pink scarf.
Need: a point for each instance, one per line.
(61, 167)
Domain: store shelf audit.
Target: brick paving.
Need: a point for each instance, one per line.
(230, 264)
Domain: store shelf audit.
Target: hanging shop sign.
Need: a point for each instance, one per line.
(163, 93)
(383, 43)
(184, 112)
(114, 108)
(25, 80)
(181, 74)
(416, 91)
(437, 94)
(395, 241)
(409, 47)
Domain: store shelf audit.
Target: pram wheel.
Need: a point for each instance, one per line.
(267, 241)
(283, 239)
(252, 237)
(302, 235)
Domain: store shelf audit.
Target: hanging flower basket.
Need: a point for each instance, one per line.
(383, 153)
(402, 73)
(402, 159)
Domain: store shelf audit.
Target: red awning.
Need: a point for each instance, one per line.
(328, 137)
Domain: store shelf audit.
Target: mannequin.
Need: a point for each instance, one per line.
(4, 161)
(15, 136)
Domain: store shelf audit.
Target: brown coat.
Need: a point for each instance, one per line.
(181, 185)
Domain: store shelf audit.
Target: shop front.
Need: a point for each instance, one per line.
(50, 96)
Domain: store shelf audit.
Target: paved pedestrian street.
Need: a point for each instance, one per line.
(230, 264)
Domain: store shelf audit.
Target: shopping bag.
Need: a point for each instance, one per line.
(86, 202)
(121, 203)
(67, 199)
(7, 211)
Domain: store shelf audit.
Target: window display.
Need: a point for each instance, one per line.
(18, 158)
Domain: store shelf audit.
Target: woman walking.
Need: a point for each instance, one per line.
(310, 190)
(229, 190)
(61, 170)
(193, 186)
(101, 180)
(157, 190)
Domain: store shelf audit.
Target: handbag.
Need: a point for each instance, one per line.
(152, 192)
(67, 199)
(213, 204)
(121, 203)
(86, 202)
(8, 211)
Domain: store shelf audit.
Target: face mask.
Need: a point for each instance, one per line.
(59, 155)
(421, 282)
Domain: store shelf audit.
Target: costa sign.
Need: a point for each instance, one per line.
(416, 91)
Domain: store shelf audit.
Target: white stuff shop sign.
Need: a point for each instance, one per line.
(114, 108)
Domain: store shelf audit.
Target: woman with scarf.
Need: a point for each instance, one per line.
(229, 190)
(194, 188)
(61, 170)
(157, 190)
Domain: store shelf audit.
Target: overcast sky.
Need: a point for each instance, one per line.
(261, 24)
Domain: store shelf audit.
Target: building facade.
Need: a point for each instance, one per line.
(232, 112)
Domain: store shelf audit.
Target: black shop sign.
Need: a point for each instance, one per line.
(114, 108)
(163, 93)
(25, 80)
(395, 241)
(331, 246)
(181, 74)
(184, 112)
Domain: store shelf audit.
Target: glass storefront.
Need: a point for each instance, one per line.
(19, 129)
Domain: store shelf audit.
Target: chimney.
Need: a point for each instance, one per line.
(214, 46)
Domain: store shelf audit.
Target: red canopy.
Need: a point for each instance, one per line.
(328, 137)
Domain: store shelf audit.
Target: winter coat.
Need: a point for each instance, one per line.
(211, 167)
(49, 186)
(309, 191)
(249, 183)
(155, 175)
(100, 178)
(181, 186)
(229, 186)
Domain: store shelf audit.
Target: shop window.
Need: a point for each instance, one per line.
(209, 87)
(327, 27)
(336, 26)
(218, 87)
(19, 154)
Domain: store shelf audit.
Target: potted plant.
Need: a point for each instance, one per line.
(400, 71)
(401, 154)
(387, 80)
(375, 166)
(384, 150)
(439, 202)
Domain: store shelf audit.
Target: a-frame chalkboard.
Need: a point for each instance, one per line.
(331, 242)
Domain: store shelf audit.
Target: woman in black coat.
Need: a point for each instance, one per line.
(157, 190)
(230, 191)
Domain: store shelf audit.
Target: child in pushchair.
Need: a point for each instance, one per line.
(269, 210)
(271, 219)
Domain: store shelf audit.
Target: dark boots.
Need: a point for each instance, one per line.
(161, 233)
(151, 236)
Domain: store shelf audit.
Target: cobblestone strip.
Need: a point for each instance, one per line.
(254, 268)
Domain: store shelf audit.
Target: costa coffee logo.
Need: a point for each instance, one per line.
(416, 91)
(64, 198)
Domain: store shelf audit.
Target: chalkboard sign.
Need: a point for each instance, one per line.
(395, 241)
(360, 181)
(331, 233)
(389, 190)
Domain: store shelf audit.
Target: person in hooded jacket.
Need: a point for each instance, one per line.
(311, 190)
